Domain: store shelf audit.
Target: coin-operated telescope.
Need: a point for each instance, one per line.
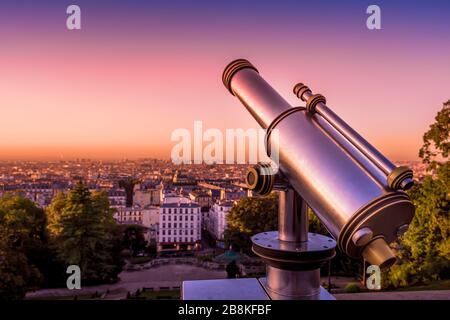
(356, 192)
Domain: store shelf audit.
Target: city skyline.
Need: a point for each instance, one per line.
(137, 71)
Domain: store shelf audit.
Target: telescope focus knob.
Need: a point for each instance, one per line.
(260, 178)
(304, 93)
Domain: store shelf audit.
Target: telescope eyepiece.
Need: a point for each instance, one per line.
(377, 252)
(232, 68)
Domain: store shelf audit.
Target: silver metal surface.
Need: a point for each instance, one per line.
(346, 146)
(292, 216)
(223, 289)
(362, 236)
(332, 182)
(323, 293)
(316, 242)
(288, 284)
(359, 142)
(264, 103)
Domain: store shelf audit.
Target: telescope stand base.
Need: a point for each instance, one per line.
(234, 289)
(323, 294)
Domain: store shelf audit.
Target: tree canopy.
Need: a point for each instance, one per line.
(248, 217)
(23, 246)
(436, 142)
(424, 250)
(84, 233)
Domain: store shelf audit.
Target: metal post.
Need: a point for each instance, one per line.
(292, 216)
(293, 285)
(298, 279)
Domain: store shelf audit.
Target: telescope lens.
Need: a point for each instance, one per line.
(251, 179)
(406, 184)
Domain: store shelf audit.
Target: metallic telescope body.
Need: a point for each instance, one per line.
(343, 179)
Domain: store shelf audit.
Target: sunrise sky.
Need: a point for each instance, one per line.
(140, 69)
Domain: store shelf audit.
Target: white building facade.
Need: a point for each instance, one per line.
(179, 226)
(216, 222)
(147, 217)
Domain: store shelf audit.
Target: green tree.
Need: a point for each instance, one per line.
(248, 217)
(24, 251)
(85, 234)
(341, 264)
(436, 141)
(133, 238)
(424, 250)
(24, 223)
(16, 275)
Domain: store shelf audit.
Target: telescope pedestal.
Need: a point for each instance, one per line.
(293, 256)
(293, 268)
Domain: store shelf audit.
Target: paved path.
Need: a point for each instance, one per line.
(164, 276)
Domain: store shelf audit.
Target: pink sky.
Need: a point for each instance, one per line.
(78, 95)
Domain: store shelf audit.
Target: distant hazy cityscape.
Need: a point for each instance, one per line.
(198, 197)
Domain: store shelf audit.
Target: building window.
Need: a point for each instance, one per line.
(164, 232)
(170, 210)
(169, 218)
(192, 218)
(192, 232)
(164, 218)
(163, 239)
(169, 232)
(170, 225)
(174, 218)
